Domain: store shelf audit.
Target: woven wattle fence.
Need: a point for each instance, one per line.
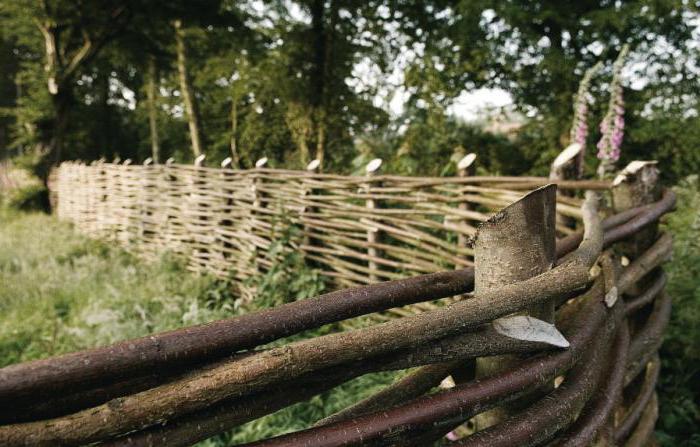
(548, 328)
(355, 229)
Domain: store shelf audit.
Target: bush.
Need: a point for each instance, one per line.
(29, 198)
(678, 389)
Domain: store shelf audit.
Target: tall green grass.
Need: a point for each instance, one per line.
(61, 292)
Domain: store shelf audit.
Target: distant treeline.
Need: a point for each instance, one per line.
(297, 80)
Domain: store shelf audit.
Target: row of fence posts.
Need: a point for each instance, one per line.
(563, 168)
(465, 168)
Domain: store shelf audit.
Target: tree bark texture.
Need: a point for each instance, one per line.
(188, 95)
(516, 244)
(151, 96)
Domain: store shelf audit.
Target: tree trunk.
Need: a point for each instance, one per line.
(235, 158)
(188, 96)
(52, 133)
(323, 49)
(153, 109)
(321, 138)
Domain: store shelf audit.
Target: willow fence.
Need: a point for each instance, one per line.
(547, 340)
(355, 229)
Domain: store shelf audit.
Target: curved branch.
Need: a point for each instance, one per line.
(637, 408)
(457, 404)
(543, 419)
(49, 377)
(595, 415)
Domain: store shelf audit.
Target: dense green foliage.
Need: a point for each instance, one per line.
(679, 393)
(300, 79)
(295, 80)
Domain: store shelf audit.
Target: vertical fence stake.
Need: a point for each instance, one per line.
(372, 236)
(254, 258)
(223, 222)
(514, 245)
(306, 190)
(465, 168)
(636, 185)
(566, 167)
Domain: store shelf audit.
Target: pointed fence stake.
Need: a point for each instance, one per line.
(515, 244)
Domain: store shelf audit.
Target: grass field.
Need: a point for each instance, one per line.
(60, 292)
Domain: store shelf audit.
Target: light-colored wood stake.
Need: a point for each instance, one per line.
(311, 168)
(566, 167)
(636, 185)
(465, 168)
(372, 232)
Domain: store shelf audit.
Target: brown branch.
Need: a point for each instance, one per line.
(409, 387)
(198, 343)
(649, 295)
(637, 408)
(647, 341)
(598, 412)
(543, 419)
(444, 409)
(645, 428)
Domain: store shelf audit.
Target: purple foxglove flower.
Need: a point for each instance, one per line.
(613, 124)
(579, 126)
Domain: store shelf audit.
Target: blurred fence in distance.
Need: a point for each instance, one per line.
(355, 229)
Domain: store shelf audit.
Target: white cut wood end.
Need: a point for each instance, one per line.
(313, 165)
(632, 168)
(523, 327)
(567, 155)
(467, 161)
(611, 297)
(373, 165)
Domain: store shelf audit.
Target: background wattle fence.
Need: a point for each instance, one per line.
(547, 318)
(355, 229)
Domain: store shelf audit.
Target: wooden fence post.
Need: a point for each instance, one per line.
(253, 221)
(257, 203)
(465, 168)
(516, 244)
(223, 222)
(306, 190)
(636, 185)
(372, 233)
(566, 167)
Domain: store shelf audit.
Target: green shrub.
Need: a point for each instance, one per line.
(679, 393)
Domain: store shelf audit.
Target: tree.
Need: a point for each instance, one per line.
(188, 96)
(539, 50)
(73, 34)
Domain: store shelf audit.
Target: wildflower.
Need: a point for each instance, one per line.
(612, 128)
(579, 126)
